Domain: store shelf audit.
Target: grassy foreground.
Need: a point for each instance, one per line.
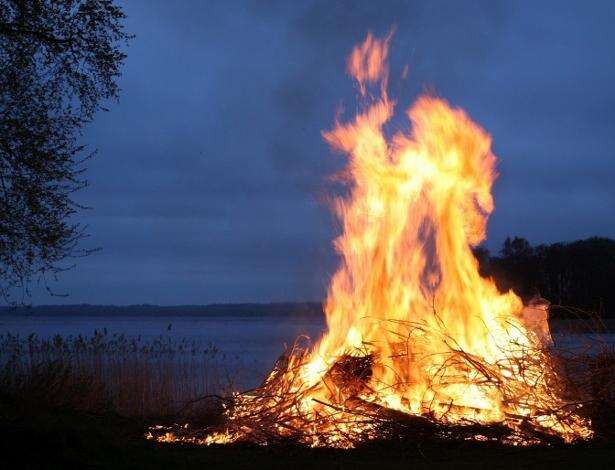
(61, 407)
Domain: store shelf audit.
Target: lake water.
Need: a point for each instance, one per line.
(249, 343)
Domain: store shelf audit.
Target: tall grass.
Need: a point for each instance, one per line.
(586, 355)
(130, 376)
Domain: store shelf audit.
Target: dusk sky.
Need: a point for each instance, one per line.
(210, 181)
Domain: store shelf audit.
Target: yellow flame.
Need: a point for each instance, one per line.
(408, 291)
(437, 339)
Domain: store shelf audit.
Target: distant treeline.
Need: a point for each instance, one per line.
(579, 274)
(213, 310)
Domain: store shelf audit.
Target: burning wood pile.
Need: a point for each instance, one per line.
(418, 345)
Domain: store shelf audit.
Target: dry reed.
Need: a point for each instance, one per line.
(130, 376)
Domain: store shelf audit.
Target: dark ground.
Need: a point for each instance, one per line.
(64, 439)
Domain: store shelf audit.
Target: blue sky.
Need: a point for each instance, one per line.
(210, 179)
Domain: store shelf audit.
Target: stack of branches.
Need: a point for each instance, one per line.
(281, 411)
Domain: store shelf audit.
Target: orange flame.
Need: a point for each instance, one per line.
(412, 326)
(367, 63)
(408, 292)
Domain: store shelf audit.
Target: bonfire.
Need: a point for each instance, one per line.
(417, 342)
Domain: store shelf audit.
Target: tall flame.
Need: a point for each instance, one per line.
(408, 292)
(412, 326)
(419, 202)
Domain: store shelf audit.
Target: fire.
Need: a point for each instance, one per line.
(414, 331)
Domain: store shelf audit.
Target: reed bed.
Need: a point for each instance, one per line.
(589, 367)
(129, 376)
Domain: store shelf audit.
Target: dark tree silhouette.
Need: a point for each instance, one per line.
(517, 267)
(59, 61)
(580, 274)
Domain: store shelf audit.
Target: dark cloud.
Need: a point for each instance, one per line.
(212, 170)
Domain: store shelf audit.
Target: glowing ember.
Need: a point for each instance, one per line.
(416, 337)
